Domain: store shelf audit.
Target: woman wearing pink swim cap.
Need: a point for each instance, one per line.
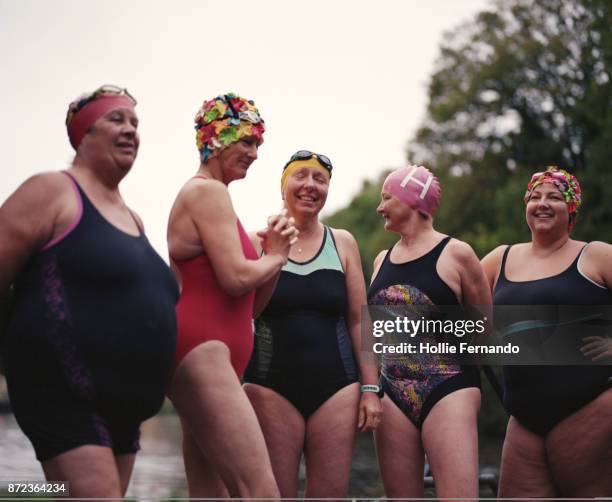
(92, 331)
(559, 437)
(431, 403)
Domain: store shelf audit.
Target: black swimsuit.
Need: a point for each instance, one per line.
(302, 348)
(415, 383)
(91, 338)
(540, 397)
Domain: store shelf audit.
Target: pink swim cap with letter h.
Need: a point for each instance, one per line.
(415, 186)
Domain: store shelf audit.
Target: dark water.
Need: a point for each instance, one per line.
(159, 473)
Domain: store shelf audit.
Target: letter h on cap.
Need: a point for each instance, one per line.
(425, 185)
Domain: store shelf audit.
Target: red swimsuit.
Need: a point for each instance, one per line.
(206, 312)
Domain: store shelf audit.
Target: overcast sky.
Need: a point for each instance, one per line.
(347, 78)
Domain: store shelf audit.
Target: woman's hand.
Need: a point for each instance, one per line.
(280, 234)
(370, 412)
(597, 348)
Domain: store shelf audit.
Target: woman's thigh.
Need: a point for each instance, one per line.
(524, 465)
(330, 442)
(400, 453)
(284, 431)
(91, 472)
(580, 450)
(211, 401)
(450, 438)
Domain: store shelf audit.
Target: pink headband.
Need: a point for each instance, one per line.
(92, 111)
(416, 187)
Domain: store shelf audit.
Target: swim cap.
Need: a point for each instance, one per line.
(415, 186)
(565, 182)
(224, 120)
(86, 109)
(306, 158)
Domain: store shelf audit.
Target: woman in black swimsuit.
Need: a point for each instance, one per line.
(431, 402)
(303, 377)
(559, 437)
(91, 335)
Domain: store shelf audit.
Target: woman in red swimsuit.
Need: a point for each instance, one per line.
(223, 446)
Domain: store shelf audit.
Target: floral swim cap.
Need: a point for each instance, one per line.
(565, 182)
(224, 120)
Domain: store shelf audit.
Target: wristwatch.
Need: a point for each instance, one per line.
(377, 389)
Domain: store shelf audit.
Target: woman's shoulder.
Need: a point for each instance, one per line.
(345, 242)
(198, 186)
(204, 193)
(598, 250)
(343, 236)
(496, 254)
(44, 190)
(460, 250)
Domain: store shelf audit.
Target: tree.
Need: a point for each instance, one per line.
(525, 86)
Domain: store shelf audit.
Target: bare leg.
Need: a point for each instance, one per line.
(125, 466)
(330, 442)
(207, 394)
(202, 479)
(400, 453)
(450, 438)
(284, 430)
(524, 466)
(585, 468)
(90, 470)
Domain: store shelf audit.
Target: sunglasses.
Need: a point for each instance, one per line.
(113, 90)
(306, 154)
(105, 90)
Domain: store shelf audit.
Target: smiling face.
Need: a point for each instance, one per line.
(306, 190)
(236, 159)
(546, 210)
(394, 212)
(114, 137)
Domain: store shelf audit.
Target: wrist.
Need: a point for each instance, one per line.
(373, 389)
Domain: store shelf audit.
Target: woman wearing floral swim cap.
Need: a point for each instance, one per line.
(559, 437)
(92, 332)
(431, 402)
(224, 283)
(303, 378)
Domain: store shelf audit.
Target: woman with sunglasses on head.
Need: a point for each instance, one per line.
(223, 283)
(431, 401)
(91, 331)
(303, 378)
(559, 437)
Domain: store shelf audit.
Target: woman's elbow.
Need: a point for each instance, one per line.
(235, 285)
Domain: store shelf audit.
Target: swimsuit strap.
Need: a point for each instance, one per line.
(502, 270)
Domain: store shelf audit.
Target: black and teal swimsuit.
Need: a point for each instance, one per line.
(302, 348)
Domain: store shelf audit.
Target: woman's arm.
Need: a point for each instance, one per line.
(210, 208)
(491, 264)
(40, 209)
(596, 263)
(265, 291)
(377, 263)
(370, 408)
(475, 287)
